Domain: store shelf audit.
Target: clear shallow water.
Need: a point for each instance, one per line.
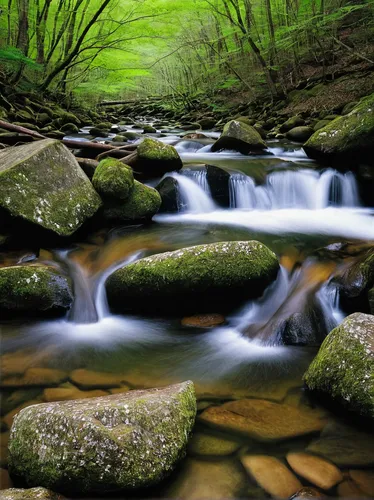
(287, 204)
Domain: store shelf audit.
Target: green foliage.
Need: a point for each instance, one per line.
(11, 55)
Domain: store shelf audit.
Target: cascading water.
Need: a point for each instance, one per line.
(304, 189)
(193, 197)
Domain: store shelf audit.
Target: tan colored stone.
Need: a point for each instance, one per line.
(66, 394)
(89, 379)
(314, 469)
(364, 479)
(203, 320)
(263, 420)
(8, 419)
(5, 481)
(43, 377)
(205, 444)
(202, 480)
(272, 475)
(307, 493)
(349, 489)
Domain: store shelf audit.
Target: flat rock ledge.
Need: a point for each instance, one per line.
(105, 444)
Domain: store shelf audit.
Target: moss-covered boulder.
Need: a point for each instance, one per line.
(346, 139)
(299, 134)
(113, 178)
(294, 121)
(34, 290)
(142, 204)
(42, 183)
(241, 137)
(200, 278)
(30, 494)
(105, 444)
(344, 366)
(155, 158)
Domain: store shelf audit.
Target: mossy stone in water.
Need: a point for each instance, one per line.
(113, 178)
(34, 289)
(141, 205)
(106, 444)
(30, 494)
(344, 366)
(195, 279)
(346, 139)
(155, 157)
(42, 183)
(240, 137)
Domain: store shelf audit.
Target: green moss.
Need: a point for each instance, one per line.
(347, 137)
(151, 149)
(239, 136)
(103, 444)
(142, 204)
(344, 366)
(42, 183)
(33, 289)
(113, 178)
(205, 270)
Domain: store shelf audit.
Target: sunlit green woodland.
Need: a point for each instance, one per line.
(118, 48)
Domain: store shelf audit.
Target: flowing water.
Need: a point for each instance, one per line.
(300, 211)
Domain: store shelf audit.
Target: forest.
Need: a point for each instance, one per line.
(186, 249)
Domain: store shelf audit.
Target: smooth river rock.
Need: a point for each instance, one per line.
(272, 475)
(314, 469)
(263, 420)
(198, 278)
(206, 444)
(105, 444)
(42, 183)
(240, 137)
(29, 494)
(364, 480)
(35, 290)
(344, 366)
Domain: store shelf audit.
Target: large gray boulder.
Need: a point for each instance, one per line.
(346, 139)
(105, 444)
(344, 366)
(34, 290)
(240, 137)
(194, 279)
(42, 183)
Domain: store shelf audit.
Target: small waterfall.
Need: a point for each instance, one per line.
(200, 177)
(193, 196)
(303, 189)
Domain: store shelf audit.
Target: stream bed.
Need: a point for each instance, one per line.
(306, 214)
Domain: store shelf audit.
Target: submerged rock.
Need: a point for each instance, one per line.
(344, 366)
(42, 183)
(346, 139)
(272, 475)
(204, 320)
(194, 278)
(30, 494)
(34, 290)
(263, 420)
(316, 470)
(307, 493)
(113, 178)
(105, 444)
(142, 204)
(208, 445)
(240, 137)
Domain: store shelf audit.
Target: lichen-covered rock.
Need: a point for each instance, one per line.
(344, 366)
(347, 138)
(142, 204)
(240, 137)
(112, 443)
(194, 278)
(34, 290)
(42, 183)
(30, 494)
(113, 178)
(156, 158)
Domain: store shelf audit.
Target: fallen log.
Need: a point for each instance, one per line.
(20, 130)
